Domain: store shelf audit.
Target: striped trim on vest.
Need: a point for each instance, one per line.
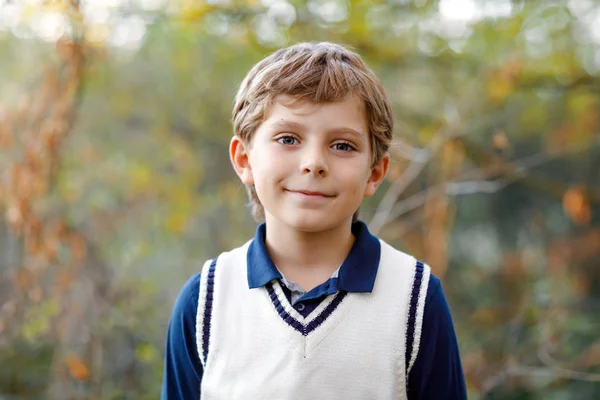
(294, 323)
(205, 306)
(415, 313)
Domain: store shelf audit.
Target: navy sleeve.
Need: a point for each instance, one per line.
(183, 370)
(437, 372)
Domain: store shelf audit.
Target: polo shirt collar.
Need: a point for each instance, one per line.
(357, 273)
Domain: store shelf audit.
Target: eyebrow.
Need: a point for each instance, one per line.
(287, 124)
(300, 127)
(347, 130)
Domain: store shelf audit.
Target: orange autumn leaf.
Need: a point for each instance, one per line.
(500, 141)
(77, 368)
(577, 206)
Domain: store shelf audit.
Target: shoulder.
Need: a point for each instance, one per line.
(436, 305)
(186, 303)
(434, 291)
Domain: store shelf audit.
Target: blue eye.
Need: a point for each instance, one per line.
(287, 140)
(344, 146)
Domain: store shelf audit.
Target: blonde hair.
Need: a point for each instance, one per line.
(320, 73)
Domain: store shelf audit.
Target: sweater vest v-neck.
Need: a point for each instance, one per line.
(254, 345)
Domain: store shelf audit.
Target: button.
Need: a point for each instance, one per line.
(300, 307)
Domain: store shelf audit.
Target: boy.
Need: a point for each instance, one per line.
(314, 307)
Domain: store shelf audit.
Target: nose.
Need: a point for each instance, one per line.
(314, 162)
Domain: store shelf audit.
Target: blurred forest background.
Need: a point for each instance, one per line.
(115, 183)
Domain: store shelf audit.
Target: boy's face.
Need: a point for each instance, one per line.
(310, 163)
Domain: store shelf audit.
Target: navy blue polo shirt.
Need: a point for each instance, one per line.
(436, 374)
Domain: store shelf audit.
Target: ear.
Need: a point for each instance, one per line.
(378, 173)
(239, 154)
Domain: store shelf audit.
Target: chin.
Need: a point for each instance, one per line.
(313, 223)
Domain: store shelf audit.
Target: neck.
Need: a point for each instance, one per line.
(308, 258)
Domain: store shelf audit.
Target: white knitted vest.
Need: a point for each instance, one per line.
(254, 345)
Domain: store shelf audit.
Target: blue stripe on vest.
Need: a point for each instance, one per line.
(210, 288)
(297, 325)
(412, 311)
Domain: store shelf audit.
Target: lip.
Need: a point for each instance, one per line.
(310, 193)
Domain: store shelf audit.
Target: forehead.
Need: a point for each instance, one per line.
(349, 112)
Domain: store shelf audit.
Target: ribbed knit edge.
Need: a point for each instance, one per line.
(293, 322)
(204, 312)
(210, 288)
(420, 309)
(412, 311)
(403, 361)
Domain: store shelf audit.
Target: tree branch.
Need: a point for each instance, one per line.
(418, 163)
(518, 170)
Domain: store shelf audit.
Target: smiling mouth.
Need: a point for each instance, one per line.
(311, 193)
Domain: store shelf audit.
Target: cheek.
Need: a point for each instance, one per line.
(258, 161)
(277, 163)
(356, 178)
(268, 167)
